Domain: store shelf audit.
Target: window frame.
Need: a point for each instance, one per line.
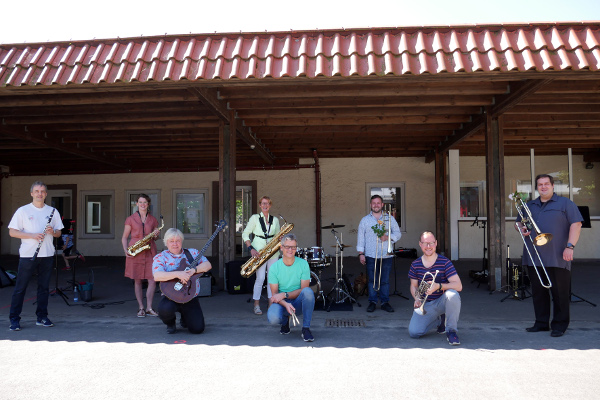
(203, 191)
(149, 192)
(83, 234)
(402, 208)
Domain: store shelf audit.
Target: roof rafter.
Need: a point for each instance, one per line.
(210, 98)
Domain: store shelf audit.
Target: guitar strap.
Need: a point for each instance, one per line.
(188, 255)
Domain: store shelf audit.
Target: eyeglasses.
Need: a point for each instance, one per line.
(428, 244)
(289, 247)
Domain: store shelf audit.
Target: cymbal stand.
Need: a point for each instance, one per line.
(340, 289)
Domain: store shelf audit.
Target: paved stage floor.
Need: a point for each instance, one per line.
(101, 350)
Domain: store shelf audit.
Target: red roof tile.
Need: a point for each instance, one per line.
(310, 54)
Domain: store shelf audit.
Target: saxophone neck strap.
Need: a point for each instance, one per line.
(264, 228)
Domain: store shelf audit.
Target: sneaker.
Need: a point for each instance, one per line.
(44, 322)
(285, 328)
(307, 336)
(387, 307)
(453, 338)
(171, 328)
(442, 326)
(15, 325)
(371, 307)
(81, 257)
(257, 310)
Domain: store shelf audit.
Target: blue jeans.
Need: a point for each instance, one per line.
(448, 303)
(304, 305)
(384, 271)
(43, 265)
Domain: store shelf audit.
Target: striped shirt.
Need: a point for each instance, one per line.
(442, 264)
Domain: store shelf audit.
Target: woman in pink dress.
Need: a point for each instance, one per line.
(139, 267)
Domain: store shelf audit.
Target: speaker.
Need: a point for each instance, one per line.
(5, 280)
(236, 284)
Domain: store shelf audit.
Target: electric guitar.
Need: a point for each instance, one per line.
(183, 293)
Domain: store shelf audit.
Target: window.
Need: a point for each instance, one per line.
(393, 200)
(471, 199)
(155, 210)
(472, 187)
(190, 212)
(585, 191)
(98, 209)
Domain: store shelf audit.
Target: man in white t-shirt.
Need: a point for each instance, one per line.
(35, 224)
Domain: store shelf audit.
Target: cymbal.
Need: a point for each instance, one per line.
(343, 246)
(332, 226)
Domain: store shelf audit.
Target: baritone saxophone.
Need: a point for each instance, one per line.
(267, 252)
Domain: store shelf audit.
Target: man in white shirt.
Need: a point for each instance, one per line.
(36, 224)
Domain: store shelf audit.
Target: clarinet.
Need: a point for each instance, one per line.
(42, 241)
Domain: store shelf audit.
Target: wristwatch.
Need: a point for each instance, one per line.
(287, 296)
(570, 246)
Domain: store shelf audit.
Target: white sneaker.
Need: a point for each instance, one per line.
(257, 310)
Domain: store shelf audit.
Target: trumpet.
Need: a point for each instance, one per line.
(539, 240)
(421, 293)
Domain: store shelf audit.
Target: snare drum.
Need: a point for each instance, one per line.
(326, 263)
(315, 255)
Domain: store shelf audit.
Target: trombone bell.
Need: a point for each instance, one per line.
(542, 239)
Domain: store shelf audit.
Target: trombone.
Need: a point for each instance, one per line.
(539, 240)
(379, 246)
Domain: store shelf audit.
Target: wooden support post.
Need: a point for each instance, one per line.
(227, 177)
(441, 205)
(494, 148)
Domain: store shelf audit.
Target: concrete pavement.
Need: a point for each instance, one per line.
(101, 349)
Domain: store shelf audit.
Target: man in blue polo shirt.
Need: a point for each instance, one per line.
(560, 217)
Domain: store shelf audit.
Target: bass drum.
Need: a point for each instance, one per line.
(315, 285)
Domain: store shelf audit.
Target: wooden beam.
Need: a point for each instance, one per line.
(517, 92)
(210, 98)
(494, 149)
(42, 140)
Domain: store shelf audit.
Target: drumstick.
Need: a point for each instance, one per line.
(294, 319)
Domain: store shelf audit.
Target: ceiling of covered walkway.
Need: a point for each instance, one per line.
(155, 104)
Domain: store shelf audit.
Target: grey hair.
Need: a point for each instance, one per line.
(289, 236)
(171, 233)
(38, 183)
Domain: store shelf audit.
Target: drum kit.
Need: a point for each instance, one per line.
(318, 260)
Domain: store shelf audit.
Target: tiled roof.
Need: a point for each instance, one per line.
(309, 54)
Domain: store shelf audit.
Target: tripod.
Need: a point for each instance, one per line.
(339, 292)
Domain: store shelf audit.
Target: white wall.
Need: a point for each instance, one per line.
(343, 188)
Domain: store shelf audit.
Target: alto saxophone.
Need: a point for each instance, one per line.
(267, 252)
(144, 243)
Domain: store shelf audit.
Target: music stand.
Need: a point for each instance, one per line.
(587, 223)
(58, 290)
(404, 253)
(480, 276)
